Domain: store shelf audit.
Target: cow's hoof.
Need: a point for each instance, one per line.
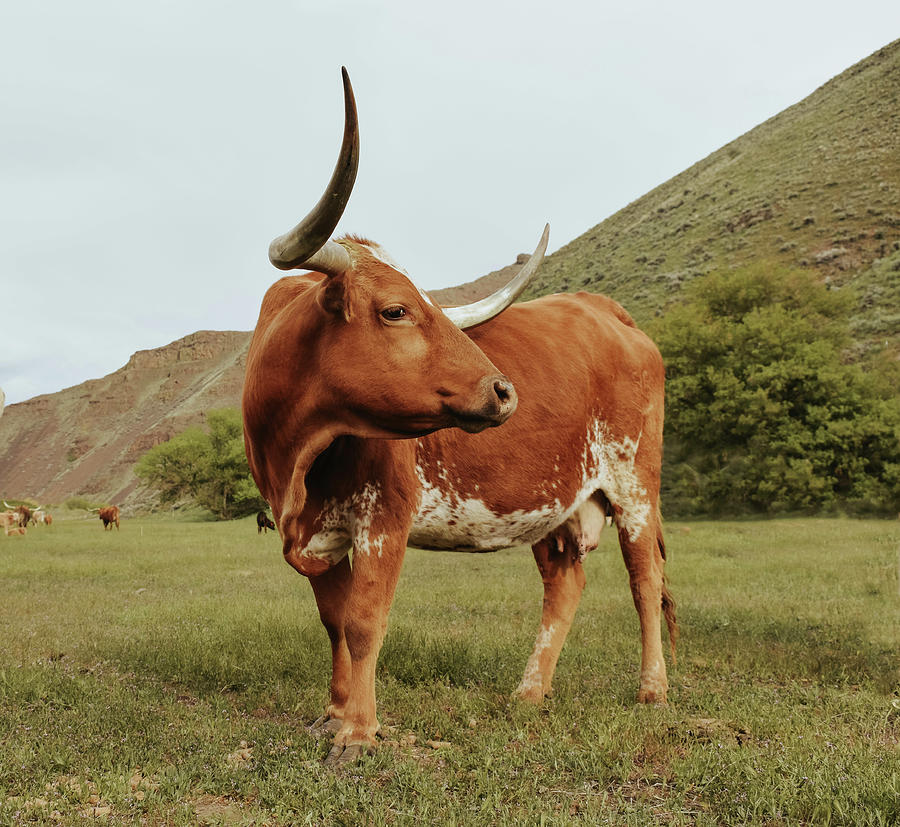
(325, 726)
(652, 696)
(530, 695)
(342, 755)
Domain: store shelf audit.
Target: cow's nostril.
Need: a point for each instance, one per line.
(503, 389)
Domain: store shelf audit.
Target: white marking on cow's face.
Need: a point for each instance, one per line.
(386, 258)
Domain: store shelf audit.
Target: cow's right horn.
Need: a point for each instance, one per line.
(469, 315)
(309, 244)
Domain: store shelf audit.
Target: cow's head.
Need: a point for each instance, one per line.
(388, 361)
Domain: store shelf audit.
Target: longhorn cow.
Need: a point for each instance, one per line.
(369, 422)
(23, 514)
(110, 517)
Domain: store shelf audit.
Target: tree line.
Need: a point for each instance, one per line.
(765, 414)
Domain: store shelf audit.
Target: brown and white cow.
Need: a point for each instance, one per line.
(40, 517)
(23, 514)
(110, 517)
(369, 423)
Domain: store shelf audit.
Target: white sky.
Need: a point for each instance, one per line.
(150, 151)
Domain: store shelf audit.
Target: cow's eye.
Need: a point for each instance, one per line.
(394, 313)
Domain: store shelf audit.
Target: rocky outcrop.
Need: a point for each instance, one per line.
(85, 440)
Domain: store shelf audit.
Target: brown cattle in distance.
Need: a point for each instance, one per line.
(8, 520)
(263, 523)
(110, 517)
(369, 422)
(23, 513)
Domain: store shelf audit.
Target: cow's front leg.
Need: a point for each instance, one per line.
(332, 590)
(644, 560)
(564, 580)
(375, 571)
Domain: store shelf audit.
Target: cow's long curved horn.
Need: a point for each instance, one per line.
(469, 315)
(309, 244)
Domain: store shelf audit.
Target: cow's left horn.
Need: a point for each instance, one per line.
(309, 244)
(469, 315)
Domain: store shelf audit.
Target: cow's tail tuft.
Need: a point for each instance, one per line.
(668, 602)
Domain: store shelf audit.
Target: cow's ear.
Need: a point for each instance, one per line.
(335, 296)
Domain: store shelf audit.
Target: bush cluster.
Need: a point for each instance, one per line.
(763, 412)
(208, 467)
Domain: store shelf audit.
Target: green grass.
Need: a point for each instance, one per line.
(164, 674)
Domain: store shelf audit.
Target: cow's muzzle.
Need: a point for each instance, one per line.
(497, 400)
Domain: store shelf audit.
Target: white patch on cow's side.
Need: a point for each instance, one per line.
(446, 520)
(609, 466)
(533, 679)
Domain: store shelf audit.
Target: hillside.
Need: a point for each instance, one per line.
(817, 186)
(85, 439)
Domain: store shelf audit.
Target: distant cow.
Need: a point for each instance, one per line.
(22, 512)
(109, 515)
(48, 519)
(8, 520)
(263, 522)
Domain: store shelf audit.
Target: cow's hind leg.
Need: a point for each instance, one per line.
(564, 580)
(645, 560)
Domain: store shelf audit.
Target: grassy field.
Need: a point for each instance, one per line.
(165, 674)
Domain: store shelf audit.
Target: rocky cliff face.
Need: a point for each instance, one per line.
(85, 440)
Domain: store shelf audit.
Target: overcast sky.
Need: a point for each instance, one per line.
(150, 151)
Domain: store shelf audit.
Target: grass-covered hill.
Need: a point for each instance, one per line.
(817, 186)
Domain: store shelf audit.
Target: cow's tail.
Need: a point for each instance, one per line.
(668, 602)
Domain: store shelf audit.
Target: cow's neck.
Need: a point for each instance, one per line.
(351, 465)
(334, 471)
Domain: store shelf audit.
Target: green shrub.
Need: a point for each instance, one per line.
(763, 414)
(208, 467)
